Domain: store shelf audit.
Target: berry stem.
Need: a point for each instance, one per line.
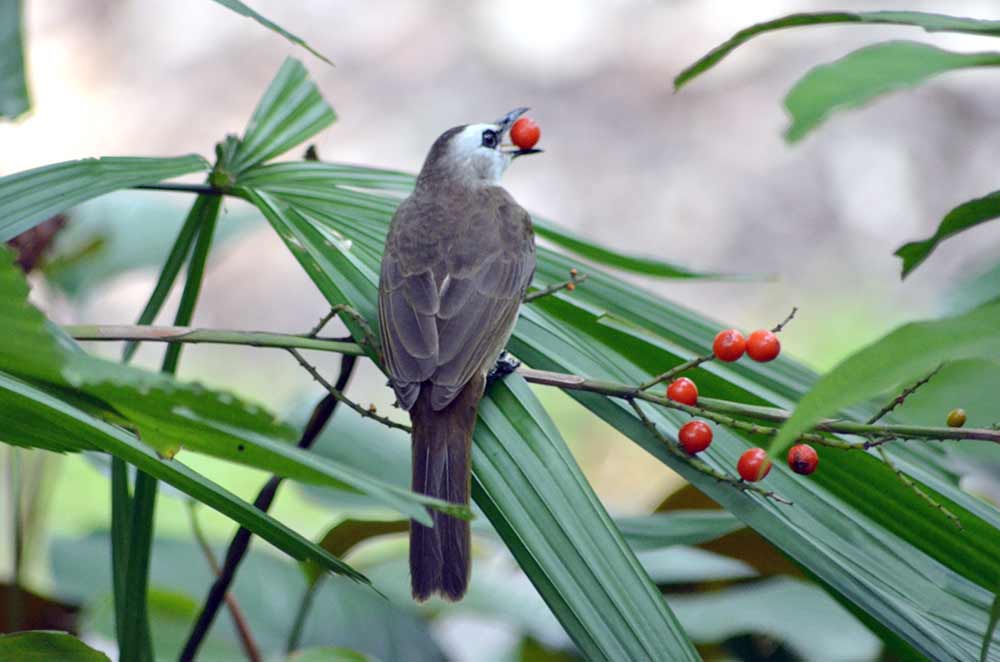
(905, 480)
(899, 399)
(699, 465)
(676, 370)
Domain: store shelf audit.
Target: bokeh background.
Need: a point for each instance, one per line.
(701, 178)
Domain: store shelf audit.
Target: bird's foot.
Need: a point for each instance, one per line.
(504, 366)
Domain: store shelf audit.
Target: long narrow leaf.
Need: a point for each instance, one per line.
(28, 198)
(869, 72)
(963, 217)
(244, 10)
(169, 413)
(312, 180)
(537, 499)
(179, 252)
(904, 355)
(22, 405)
(853, 525)
(929, 22)
(14, 99)
(290, 112)
(573, 555)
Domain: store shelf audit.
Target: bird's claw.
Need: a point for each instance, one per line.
(504, 366)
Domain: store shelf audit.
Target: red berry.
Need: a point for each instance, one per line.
(763, 346)
(683, 390)
(753, 465)
(729, 345)
(802, 458)
(695, 436)
(525, 133)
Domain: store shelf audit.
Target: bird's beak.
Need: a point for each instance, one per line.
(507, 121)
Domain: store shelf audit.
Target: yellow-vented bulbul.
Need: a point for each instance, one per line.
(458, 259)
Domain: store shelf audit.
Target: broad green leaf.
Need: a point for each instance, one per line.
(635, 263)
(929, 22)
(268, 589)
(868, 539)
(23, 405)
(859, 77)
(984, 654)
(290, 112)
(963, 217)
(798, 614)
(525, 480)
(904, 355)
(677, 527)
(529, 486)
(329, 654)
(14, 100)
(169, 413)
(42, 646)
(311, 180)
(30, 197)
(243, 10)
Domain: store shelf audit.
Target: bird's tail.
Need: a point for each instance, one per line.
(442, 440)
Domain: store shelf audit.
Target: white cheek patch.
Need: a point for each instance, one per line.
(476, 162)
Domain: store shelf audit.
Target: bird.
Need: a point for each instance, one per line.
(458, 259)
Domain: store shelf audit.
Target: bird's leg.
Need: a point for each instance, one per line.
(505, 365)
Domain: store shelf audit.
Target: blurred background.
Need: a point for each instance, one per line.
(701, 178)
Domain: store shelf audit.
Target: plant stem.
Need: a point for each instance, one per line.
(200, 189)
(135, 641)
(305, 606)
(239, 620)
(240, 543)
(182, 334)
(171, 268)
(121, 516)
(137, 644)
(706, 406)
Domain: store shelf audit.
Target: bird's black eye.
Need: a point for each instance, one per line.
(489, 138)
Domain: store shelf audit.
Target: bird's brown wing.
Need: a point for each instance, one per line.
(448, 301)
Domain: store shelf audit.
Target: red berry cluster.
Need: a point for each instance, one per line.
(762, 345)
(696, 436)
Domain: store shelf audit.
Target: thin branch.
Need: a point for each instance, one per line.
(569, 285)
(369, 412)
(239, 620)
(699, 465)
(676, 370)
(876, 433)
(905, 480)
(781, 325)
(240, 543)
(901, 398)
(201, 189)
(185, 334)
(708, 406)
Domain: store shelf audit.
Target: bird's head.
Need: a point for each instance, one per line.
(473, 154)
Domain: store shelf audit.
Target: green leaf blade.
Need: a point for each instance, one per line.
(529, 486)
(290, 112)
(928, 21)
(14, 98)
(867, 73)
(42, 646)
(904, 355)
(243, 10)
(30, 197)
(22, 403)
(963, 217)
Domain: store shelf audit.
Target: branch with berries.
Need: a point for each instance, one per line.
(693, 438)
